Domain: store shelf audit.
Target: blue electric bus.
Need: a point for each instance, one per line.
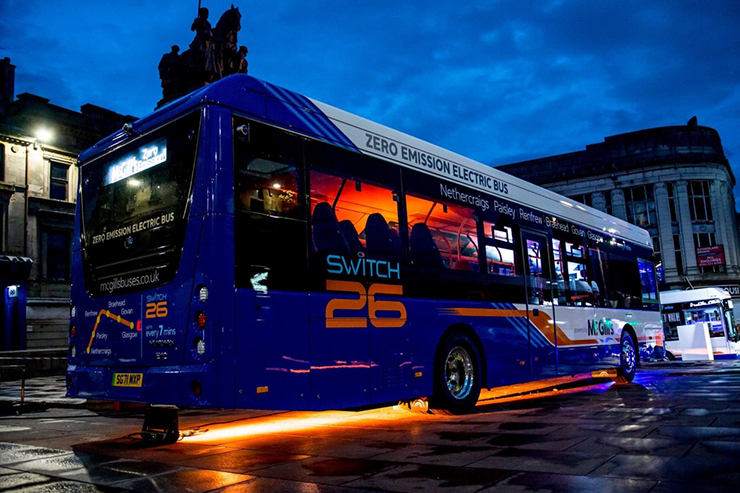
(248, 247)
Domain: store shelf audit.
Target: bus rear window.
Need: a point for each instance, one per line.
(134, 207)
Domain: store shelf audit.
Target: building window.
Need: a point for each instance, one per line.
(584, 199)
(672, 202)
(640, 205)
(608, 202)
(679, 257)
(2, 162)
(58, 255)
(700, 205)
(58, 180)
(3, 223)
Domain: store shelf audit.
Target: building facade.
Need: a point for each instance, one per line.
(675, 182)
(39, 145)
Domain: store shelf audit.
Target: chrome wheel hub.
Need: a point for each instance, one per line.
(459, 373)
(629, 359)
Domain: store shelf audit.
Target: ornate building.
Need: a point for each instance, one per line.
(39, 144)
(673, 181)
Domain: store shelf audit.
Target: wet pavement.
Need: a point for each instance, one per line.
(676, 428)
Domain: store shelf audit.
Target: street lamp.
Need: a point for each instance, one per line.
(43, 135)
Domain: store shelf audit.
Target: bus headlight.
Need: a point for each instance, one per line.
(203, 294)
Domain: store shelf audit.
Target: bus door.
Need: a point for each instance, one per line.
(540, 308)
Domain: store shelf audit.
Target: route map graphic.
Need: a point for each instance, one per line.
(112, 316)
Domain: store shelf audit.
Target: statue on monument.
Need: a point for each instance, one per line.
(170, 72)
(212, 55)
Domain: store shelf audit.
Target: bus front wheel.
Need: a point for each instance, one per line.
(628, 359)
(457, 376)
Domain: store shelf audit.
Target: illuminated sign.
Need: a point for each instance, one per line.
(142, 159)
(704, 303)
(708, 256)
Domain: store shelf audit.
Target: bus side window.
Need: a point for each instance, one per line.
(442, 235)
(649, 285)
(353, 218)
(269, 227)
(623, 281)
(266, 171)
(500, 246)
(597, 258)
(571, 271)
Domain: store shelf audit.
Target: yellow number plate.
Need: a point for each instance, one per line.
(127, 379)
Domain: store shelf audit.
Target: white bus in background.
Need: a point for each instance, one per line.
(684, 312)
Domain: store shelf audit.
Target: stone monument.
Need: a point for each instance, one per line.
(212, 55)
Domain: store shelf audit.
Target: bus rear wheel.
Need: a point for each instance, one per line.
(457, 376)
(628, 360)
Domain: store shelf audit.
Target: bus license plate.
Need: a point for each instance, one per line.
(127, 379)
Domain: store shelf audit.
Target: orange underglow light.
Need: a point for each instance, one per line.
(292, 422)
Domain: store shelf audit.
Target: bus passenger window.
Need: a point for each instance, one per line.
(623, 281)
(598, 277)
(537, 270)
(442, 235)
(499, 249)
(266, 171)
(648, 284)
(575, 285)
(351, 218)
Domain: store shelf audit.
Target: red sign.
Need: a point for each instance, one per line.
(708, 256)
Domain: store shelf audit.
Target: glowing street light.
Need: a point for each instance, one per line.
(43, 135)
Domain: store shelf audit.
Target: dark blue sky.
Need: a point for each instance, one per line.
(498, 81)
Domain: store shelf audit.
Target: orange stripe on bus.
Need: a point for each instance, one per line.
(543, 322)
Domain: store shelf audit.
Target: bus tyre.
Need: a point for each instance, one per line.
(457, 376)
(670, 356)
(628, 360)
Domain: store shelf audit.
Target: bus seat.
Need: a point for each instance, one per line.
(424, 251)
(378, 239)
(397, 245)
(349, 232)
(464, 265)
(326, 235)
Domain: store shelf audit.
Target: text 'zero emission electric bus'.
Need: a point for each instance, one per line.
(248, 247)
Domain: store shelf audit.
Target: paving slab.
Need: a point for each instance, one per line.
(676, 428)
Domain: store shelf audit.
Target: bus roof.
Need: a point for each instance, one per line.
(688, 295)
(292, 111)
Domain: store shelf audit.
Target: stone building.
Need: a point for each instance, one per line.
(675, 182)
(39, 144)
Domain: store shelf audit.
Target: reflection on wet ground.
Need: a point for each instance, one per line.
(677, 427)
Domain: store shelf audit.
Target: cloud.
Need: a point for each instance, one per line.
(496, 80)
